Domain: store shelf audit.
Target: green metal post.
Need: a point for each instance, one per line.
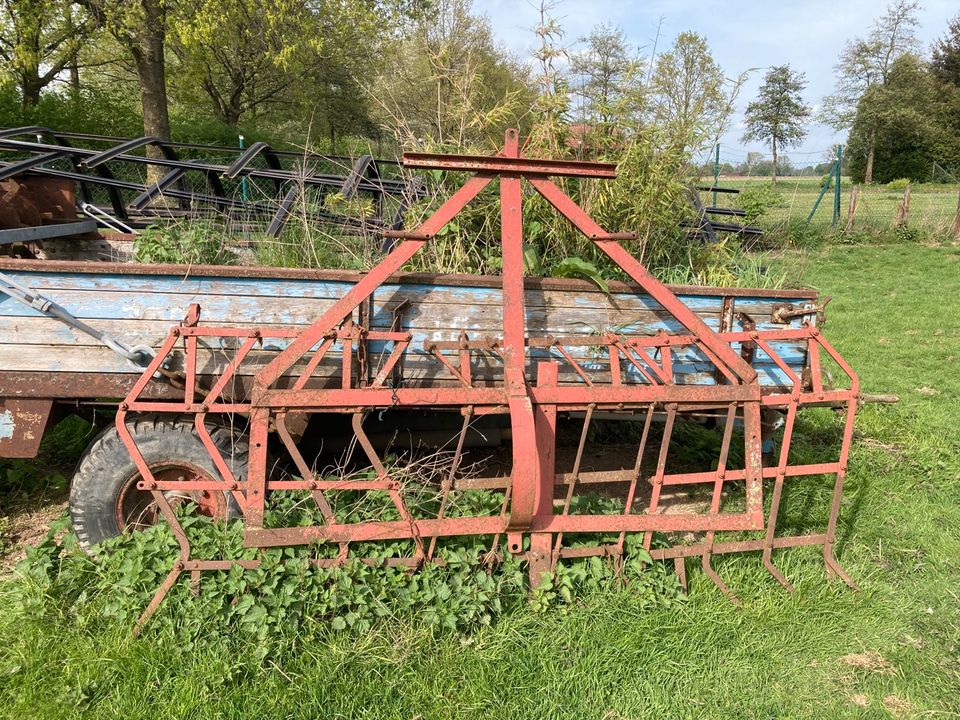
(243, 180)
(823, 191)
(716, 173)
(836, 189)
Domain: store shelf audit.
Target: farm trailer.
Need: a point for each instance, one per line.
(264, 369)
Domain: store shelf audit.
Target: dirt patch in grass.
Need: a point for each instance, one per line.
(25, 528)
(896, 706)
(860, 700)
(872, 661)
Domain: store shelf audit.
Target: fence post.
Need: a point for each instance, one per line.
(903, 212)
(823, 191)
(956, 223)
(852, 208)
(243, 180)
(836, 190)
(716, 173)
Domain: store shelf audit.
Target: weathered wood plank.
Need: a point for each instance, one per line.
(140, 309)
(19, 331)
(197, 288)
(418, 366)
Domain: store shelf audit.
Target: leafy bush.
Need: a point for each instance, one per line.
(907, 234)
(757, 199)
(109, 110)
(189, 243)
(898, 184)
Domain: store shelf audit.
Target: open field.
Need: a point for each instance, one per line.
(933, 207)
(892, 650)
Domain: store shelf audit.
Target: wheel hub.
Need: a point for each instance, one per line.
(136, 509)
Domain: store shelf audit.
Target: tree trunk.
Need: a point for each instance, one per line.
(148, 58)
(147, 51)
(74, 67)
(871, 150)
(29, 92)
(75, 78)
(774, 172)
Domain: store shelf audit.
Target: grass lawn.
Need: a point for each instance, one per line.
(892, 650)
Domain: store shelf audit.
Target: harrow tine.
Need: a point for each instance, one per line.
(493, 555)
(396, 494)
(319, 497)
(448, 479)
(781, 464)
(637, 472)
(680, 568)
(161, 500)
(710, 571)
(661, 469)
(575, 475)
(707, 556)
(777, 494)
(829, 558)
(158, 598)
(833, 567)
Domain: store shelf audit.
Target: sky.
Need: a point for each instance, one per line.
(806, 34)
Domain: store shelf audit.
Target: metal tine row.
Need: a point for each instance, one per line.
(793, 401)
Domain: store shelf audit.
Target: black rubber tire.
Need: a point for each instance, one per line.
(106, 467)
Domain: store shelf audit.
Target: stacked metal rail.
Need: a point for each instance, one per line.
(705, 228)
(257, 186)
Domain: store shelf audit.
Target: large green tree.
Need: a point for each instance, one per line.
(778, 114)
(298, 56)
(945, 66)
(901, 119)
(140, 27)
(865, 64)
(241, 54)
(945, 54)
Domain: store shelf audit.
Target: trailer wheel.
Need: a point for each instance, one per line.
(104, 499)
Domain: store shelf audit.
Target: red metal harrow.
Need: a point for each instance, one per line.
(539, 516)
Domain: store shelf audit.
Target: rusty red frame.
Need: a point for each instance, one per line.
(532, 405)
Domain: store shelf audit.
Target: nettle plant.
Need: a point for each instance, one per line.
(470, 589)
(188, 243)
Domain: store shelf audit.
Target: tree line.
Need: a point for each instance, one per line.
(233, 61)
(901, 109)
(430, 72)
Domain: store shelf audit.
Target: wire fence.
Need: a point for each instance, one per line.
(805, 193)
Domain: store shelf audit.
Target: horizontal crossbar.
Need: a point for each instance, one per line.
(508, 165)
(451, 527)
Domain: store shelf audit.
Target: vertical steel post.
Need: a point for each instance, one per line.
(545, 423)
(836, 189)
(526, 453)
(243, 180)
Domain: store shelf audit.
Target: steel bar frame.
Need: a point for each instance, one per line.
(91, 168)
(643, 381)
